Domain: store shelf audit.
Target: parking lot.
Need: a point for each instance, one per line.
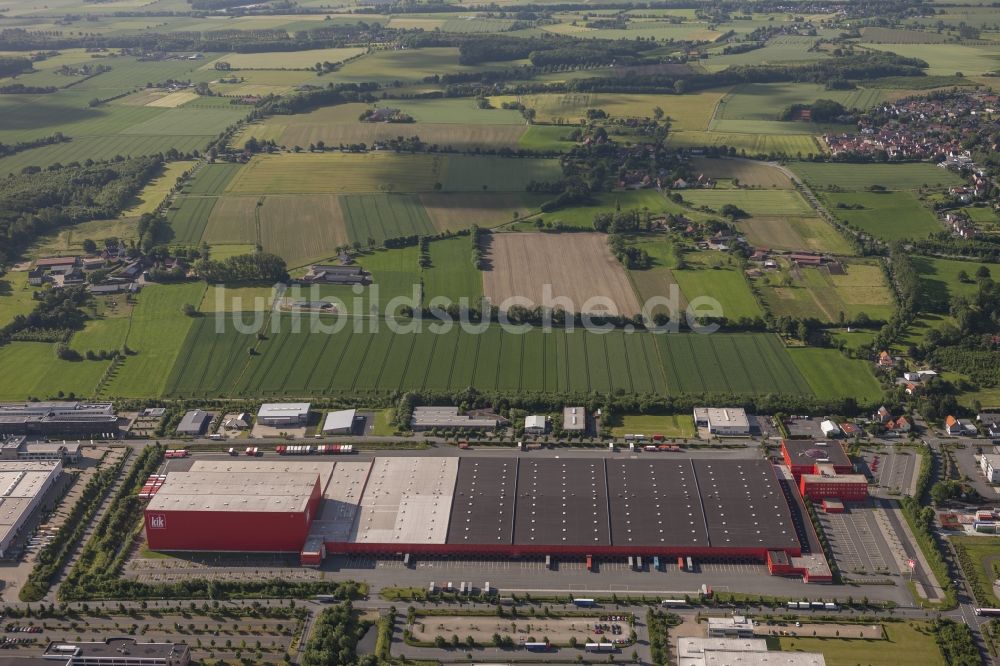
(968, 464)
(893, 470)
(856, 539)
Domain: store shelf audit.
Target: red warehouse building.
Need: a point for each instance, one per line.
(801, 457)
(238, 511)
(826, 483)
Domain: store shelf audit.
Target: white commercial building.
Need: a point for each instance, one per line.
(574, 419)
(736, 626)
(829, 428)
(23, 485)
(427, 418)
(535, 424)
(730, 421)
(990, 462)
(283, 413)
(742, 651)
(339, 423)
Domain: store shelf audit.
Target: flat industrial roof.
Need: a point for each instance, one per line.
(483, 509)
(806, 452)
(282, 409)
(655, 503)
(343, 419)
(407, 500)
(562, 501)
(574, 418)
(620, 502)
(273, 466)
(244, 491)
(731, 417)
(339, 506)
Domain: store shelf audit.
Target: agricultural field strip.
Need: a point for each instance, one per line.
(287, 363)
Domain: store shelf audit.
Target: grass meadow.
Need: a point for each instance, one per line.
(672, 425)
(382, 216)
(290, 364)
(727, 286)
(156, 333)
(189, 216)
(817, 293)
(810, 234)
(831, 375)
(903, 644)
(745, 143)
(888, 216)
(856, 177)
(754, 202)
(452, 273)
(15, 296)
(748, 173)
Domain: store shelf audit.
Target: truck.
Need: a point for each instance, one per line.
(631, 562)
(690, 564)
(431, 588)
(216, 437)
(463, 445)
(252, 451)
(585, 603)
(830, 606)
(680, 564)
(406, 560)
(656, 563)
(650, 448)
(590, 562)
(638, 563)
(176, 453)
(486, 589)
(548, 561)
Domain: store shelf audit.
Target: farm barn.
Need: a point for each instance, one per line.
(492, 507)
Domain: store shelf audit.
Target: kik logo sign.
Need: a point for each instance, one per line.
(158, 521)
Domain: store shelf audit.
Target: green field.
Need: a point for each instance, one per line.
(288, 363)
(985, 555)
(726, 286)
(212, 179)
(686, 112)
(795, 233)
(156, 333)
(582, 217)
(673, 425)
(15, 296)
(188, 217)
(903, 644)
(497, 174)
(766, 101)
(33, 371)
(820, 294)
(832, 375)
(939, 283)
(908, 176)
(729, 363)
(452, 273)
(887, 216)
(381, 216)
(754, 202)
(791, 145)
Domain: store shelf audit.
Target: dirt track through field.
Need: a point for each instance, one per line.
(578, 266)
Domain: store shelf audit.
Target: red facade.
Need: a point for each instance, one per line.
(231, 531)
(801, 466)
(817, 488)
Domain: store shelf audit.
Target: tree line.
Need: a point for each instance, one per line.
(36, 201)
